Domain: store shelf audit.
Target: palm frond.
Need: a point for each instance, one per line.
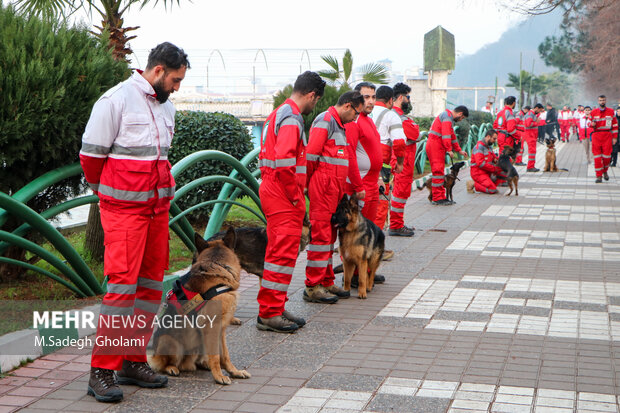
(330, 75)
(332, 62)
(44, 8)
(347, 65)
(374, 73)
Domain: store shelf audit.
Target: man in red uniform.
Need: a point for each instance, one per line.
(442, 140)
(564, 119)
(482, 168)
(365, 141)
(530, 136)
(390, 128)
(404, 179)
(282, 162)
(506, 125)
(520, 129)
(125, 160)
(328, 167)
(604, 136)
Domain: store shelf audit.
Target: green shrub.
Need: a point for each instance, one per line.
(424, 122)
(329, 98)
(196, 131)
(50, 77)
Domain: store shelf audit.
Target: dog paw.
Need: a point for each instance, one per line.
(172, 371)
(235, 321)
(241, 374)
(361, 295)
(225, 380)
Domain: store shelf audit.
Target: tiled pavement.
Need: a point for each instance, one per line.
(507, 304)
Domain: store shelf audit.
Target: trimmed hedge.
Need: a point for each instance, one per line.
(196, 131)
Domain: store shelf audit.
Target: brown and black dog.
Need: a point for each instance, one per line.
(510, 173)
(184, 348)
(448, 181)
(550, 157)
(361, 244)
(251, 244)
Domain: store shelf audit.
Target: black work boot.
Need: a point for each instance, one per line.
(444, 202)
(278, 323)
(103, 387)
(297, 320)
(401, 232)
(599, 180)
(140, 374)
(355, 281)
(319, 294)
(605, 176)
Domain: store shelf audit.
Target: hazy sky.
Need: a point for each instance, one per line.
(373, 30)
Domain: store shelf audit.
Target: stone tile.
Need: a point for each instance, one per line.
(393, 403)
(354, 382)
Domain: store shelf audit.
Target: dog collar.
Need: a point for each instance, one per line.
(186, 301)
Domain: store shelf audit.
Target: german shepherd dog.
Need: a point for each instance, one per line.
(505, 163)
(550, 165)
(184, 348)
(448, 181)
(251, 244)
(361, 244)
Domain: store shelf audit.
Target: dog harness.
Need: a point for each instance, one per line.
(186, 301)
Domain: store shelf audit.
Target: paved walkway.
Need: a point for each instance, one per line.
(507, 304)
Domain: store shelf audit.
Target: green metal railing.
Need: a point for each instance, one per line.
(77, 275)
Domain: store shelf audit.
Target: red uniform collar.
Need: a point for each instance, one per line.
(398, 110)
(292, 103)
(380, 104)
(332, 110)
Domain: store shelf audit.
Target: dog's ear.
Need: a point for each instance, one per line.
(230, 239)
(200, 243)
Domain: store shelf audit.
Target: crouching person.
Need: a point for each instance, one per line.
(483, 169)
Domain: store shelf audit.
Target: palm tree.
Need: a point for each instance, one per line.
(336, 76)
(521, 83)
(111, 12)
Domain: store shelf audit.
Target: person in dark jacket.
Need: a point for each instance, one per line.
(552, 121)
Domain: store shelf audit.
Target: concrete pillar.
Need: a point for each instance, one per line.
(438, 80)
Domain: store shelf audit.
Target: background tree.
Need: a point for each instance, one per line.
(111, 12)
(521, 83)
(590, 41)
(340, 76)
(50, 76)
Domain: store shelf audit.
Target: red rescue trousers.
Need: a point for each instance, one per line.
(136, 256)
(601, 150)
(325, 191)
(284, 223)
(483, 182)
(504, 139)
(402, 189)
(370, 203)
(531, 150)
(382, 207)
(436, 153)
(564, 129)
